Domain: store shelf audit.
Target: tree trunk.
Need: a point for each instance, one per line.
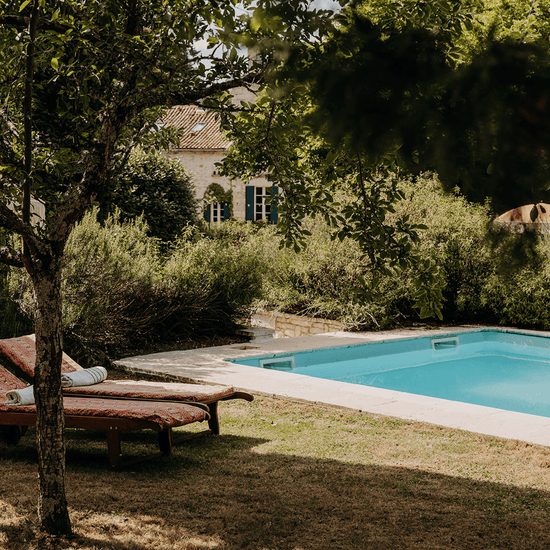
(50, 424)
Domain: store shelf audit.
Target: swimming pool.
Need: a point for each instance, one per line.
(500, 369)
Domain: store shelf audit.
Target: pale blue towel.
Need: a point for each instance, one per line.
(84, 377)
(20, 397)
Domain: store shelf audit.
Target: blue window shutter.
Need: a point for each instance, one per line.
(207, 213)
(226, 212)
(274, 211)
(250, 203)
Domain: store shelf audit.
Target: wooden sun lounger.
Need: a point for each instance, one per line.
(19, 354)
(112, 415)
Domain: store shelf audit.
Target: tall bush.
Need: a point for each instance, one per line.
(455, 239)
(229, 268)
(159, 189)
(121, 290)
(330, 278)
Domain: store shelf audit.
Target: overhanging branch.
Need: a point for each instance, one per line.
(22, 22)
(9, 256)
(186, 98)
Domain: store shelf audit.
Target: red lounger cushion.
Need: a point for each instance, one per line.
(163, 414)
(21, 351)
(140, 389)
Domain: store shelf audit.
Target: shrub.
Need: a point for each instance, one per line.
(485, 278)
(229, 269)
(159, 189)
(323, 280)
(326, 279)
(454, 239)
(121, 286)
(13, 321)
(518, 288)
(119, 289)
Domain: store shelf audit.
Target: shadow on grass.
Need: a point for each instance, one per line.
(226, 492)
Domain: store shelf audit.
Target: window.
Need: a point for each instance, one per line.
(262, 208)
(198, 127)
(259, 204)
(216, 212)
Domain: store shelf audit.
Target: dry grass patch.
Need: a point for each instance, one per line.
(293, 476)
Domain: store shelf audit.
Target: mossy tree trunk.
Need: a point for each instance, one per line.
(50, 426)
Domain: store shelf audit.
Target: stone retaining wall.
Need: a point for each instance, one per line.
(286, 325)
(522, 227)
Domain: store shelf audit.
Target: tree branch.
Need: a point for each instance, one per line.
(9, 256)
(186, 98)
(27, 125)
(22, 22)
(27, 113)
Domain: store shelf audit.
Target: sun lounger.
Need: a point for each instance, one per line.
(112, 415)
(19, 354)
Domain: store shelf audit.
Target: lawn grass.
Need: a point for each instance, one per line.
(292, 476)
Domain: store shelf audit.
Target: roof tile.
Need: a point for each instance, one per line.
(186, 117)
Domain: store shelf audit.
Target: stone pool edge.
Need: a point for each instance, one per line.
(208, 366)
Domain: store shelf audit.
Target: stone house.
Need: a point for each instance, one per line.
(201, 146)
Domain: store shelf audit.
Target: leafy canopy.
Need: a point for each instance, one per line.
(99, 68)
(159, 189)
(446, 86)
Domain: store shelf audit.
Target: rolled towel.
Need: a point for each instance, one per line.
(84, 377)
(20, 397)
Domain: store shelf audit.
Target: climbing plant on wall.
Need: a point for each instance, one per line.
(216, 193)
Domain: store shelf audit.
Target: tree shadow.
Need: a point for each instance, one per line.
(226, 492)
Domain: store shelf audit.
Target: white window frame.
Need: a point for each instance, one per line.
(262, 210)
(216, 212)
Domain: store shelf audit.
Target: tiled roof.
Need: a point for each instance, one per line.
(189, 117)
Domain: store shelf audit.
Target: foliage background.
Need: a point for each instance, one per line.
(121, 286)
(122, 290)
(157, 188)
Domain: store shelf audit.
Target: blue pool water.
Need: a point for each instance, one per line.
(500, 369)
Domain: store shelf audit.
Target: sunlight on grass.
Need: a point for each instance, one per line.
(287, 476)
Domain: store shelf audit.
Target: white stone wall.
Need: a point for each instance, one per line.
(201, 165)
(38, 211)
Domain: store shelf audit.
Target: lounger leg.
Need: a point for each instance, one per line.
(113, 444)
(214, 423)
(165, 441)
(12, 434)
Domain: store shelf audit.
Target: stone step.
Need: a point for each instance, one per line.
(258, 334)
